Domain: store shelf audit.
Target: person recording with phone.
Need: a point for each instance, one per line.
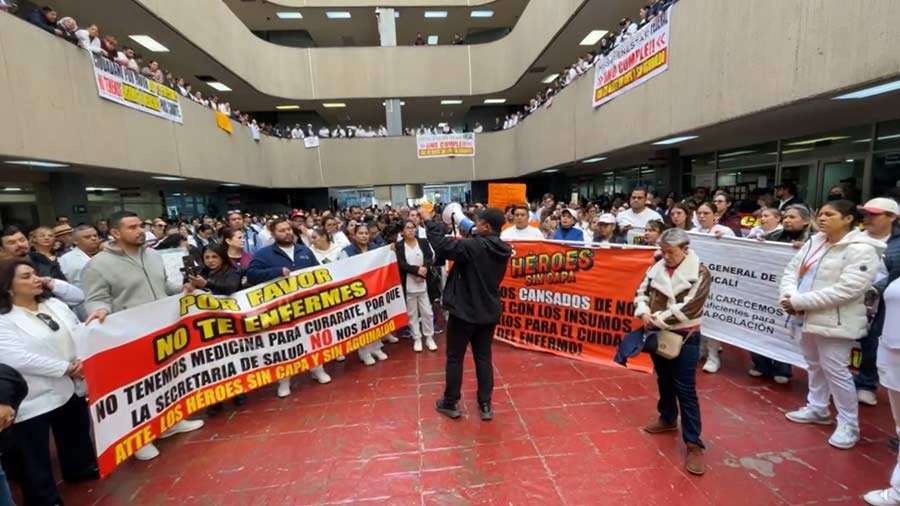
(472, 297)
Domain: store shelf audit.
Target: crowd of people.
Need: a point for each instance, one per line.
(568, 75)
(91, 39)
(838, 289)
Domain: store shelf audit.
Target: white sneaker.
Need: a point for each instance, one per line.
(754, 373)
(712, 365)
(147, 452)
(884, 497)
(417, 345)
(284, 387)
(320, 375)
(181, 427)
(390, 338)
(808, 415)
(866, 397)
(430, 344)
(844, 437)
(341, 358)
(367, 359)
(380, 355)
(782, 380)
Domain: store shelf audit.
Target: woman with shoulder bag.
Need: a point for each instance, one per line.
(824, 289)
(670, 300)
(416, 258)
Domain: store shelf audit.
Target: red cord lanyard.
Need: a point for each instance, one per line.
(813, 258)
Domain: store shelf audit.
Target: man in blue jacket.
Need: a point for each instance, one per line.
(277, 260)
(568, 229)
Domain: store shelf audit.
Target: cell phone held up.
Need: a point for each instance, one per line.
(189, 267)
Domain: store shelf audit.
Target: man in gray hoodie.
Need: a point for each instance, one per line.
(127, 274)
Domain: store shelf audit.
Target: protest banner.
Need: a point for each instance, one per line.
(634, 61)
(149, 367)
(223, 121)
(501, 195)
(572, 300)
(742, 308)
(311, 141)
(126, 87)
(445, 145)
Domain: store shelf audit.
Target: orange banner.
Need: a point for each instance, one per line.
(575, 302)
(223, 121)
(501, 195)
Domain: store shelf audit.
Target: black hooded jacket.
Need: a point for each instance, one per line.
(13, 390)
(473, 284)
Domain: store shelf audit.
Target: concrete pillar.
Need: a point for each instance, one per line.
(387, 32)
(69, 197)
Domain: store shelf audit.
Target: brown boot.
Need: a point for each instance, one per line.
(693, 462)
(658, 426)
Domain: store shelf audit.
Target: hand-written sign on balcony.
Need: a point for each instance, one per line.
(445, 145)
(126, 87)
(635, 61)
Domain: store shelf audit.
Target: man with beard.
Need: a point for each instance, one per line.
(279, 260)
(127, 274)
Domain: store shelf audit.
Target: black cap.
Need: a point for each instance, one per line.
(494, 217)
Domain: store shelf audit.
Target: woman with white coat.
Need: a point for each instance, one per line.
(36, 339)
(823, 290)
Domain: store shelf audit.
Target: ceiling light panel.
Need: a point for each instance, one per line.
(337, 14)
(289, 15)
(485, 13)
(435, 14)
(592, 38)
(149, 43)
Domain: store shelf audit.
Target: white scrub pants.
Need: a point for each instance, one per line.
(829, 376)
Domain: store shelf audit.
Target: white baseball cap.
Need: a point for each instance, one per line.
(607, 218)
(882, 205)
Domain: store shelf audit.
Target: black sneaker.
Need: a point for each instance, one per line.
(485, 411)
(447, 409)
(893, 443)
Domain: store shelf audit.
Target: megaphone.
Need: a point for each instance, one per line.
(454, 215)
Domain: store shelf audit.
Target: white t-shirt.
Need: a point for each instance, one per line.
(288, 250)
(526, 234)
(725, 231)
(414, 256)
(340, 239)
(637, 220)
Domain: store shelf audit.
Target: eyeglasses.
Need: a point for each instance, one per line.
(48, 321)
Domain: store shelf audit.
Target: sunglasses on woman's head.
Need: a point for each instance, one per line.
(48, 320)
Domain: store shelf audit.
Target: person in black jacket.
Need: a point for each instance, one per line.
(13, 390)
(472, 296)
(45, 18)
(219, 277)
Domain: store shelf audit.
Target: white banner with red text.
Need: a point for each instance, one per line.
(743, 308)
(126, 87)
(634, 61)
(149, 367)
(445, 145)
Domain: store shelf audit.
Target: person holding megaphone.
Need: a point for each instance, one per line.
(471, 296)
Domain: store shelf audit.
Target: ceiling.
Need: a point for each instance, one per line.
(808, 118)
(362, 28)
(123, 17)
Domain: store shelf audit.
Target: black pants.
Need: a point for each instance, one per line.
(459, 334)
(28, 462)
(676, 379)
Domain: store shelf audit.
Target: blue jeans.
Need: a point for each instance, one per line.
(5, 494)
(770, 367)
(677, 382)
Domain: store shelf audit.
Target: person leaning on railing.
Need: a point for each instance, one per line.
(671, 297)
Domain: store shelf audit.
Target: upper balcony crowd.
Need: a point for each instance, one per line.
(91, 39)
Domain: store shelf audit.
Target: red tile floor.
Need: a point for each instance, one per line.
(565, 433)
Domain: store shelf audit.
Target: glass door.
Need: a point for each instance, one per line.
(841, 179)
(805, 176)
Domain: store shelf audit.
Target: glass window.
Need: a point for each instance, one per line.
(837, 143)
(888, 136)
(759, 154)
(885, 174)
(844, 178)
